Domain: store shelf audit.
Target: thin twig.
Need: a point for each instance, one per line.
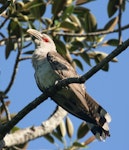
(101, 32)
(52, 90)
(119, 21)
(25, 58)
(14, 72)
(6, 109)
(2, 24)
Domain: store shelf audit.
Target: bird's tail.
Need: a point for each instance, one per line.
(101, 128)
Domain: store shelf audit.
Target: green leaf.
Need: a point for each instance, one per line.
(69, 127)
(80, 11)
(49, 138)
(57, 7)
(37, 9)
(111, 24)
(68, 26)
(62, 129)
(78, 63)
(90, 22)
(14, 129)
(79, 145)
(86, 58)
(10, 45)
(80, 2)
(67, 12)
(98, 58)
(82, 130)
(112, 42)
(5, 6)
(60, 46)
(57, 135)
(112, 7)
(102, 55)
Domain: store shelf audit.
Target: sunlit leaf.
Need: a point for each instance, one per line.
(69, 127)
(67, 12)
(68, 26)
(90, 22)
(101, 55)
(79, 145)
(80, 2)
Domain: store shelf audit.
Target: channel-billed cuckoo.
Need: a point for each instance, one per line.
(51, 67)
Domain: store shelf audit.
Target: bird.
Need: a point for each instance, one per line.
(50, 67)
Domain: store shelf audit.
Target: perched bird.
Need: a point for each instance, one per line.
(51, 67)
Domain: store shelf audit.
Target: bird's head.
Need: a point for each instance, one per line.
(45, 43)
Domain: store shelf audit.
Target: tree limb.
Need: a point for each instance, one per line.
(30, 133)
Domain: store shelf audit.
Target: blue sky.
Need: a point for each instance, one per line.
(110, 89)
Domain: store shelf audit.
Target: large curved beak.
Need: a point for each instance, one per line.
(35, 33)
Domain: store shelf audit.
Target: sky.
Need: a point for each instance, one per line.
(110, 89)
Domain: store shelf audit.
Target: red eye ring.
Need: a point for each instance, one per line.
(45, 39)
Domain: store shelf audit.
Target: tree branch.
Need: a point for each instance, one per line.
(119, 21)
(25, 135)
(101, 32)
(14, 72)
(52, 90)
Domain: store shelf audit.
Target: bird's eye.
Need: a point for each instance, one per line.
(45, 39)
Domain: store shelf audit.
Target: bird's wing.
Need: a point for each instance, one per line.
(84, 104)
(64, 70)
(75, 100)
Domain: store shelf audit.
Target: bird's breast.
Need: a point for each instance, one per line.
(44, 74)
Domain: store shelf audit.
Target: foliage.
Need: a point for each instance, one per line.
(74, 29)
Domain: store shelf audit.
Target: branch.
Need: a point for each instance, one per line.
(101, 32)
(25, 135)
(119, 21)
(52, 90)
(14, 72)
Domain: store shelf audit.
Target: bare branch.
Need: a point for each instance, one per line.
(14, 72)
(25, 135)
(119, 21)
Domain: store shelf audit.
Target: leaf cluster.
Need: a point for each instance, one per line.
(66, 16)
(64, 133)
